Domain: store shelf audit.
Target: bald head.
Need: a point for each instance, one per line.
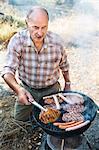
(37, 24)
(35, 10)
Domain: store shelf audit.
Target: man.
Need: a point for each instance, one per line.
(38, 56)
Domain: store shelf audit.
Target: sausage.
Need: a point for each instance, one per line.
(67, 100)
(70, 125)
(78, 126)
(63, 124)
(56, 101)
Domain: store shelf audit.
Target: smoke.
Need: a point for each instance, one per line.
(81, 27)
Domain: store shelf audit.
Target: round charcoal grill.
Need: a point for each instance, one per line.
(89, 114)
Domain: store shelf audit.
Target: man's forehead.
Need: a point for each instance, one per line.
(36, 11)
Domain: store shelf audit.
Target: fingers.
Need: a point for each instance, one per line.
(24, 97)
(23, 100)
(29, 98)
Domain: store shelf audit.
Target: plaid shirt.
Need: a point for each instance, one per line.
(37, 70)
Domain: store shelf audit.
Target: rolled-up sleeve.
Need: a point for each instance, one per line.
(12, 56)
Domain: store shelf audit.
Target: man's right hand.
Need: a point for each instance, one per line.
(24, 96)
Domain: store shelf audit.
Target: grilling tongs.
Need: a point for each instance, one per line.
(38, 105)
(48, 114)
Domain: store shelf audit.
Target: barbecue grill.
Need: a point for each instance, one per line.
(89, 114)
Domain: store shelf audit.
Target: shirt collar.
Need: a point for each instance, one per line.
(30, 42)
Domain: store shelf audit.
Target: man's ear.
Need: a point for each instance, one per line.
(26, 22)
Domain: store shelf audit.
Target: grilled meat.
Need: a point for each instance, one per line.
(49, 101)
(74, 98)
(51, 115)
(77, 108)
(72, 117)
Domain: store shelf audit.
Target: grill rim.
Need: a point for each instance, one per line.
(59, 132)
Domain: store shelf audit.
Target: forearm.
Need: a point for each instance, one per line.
(12, 83)
(66, 76)
(67, 80)
(23, 94)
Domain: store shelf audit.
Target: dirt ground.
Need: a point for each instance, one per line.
(16, 135)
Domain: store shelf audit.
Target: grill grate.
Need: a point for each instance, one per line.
(89, 113)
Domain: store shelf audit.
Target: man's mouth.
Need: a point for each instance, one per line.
(39, 37)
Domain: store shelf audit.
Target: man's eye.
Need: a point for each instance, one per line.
(44, 27)
(35, 27)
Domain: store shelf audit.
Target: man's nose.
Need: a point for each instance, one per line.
(40, 33)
